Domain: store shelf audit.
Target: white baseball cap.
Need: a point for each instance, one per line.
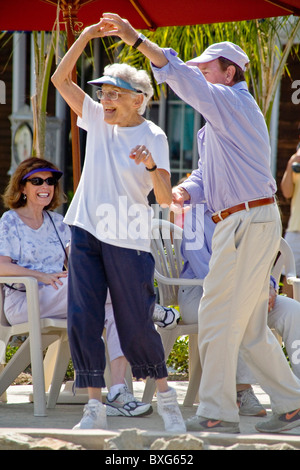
(225, 49)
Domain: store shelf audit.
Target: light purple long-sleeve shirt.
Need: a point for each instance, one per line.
(234, 149)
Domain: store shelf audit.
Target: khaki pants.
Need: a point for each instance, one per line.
(232, 316)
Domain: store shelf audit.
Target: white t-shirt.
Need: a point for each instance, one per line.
(111, 199)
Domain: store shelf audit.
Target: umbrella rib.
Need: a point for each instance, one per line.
(288, 8)
(143, 14)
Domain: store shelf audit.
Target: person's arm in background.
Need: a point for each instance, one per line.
(287, 185)
(7, 268)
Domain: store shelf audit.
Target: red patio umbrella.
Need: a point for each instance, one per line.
(31, 15)
(40, 15)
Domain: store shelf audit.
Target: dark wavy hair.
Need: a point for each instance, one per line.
(13, 195)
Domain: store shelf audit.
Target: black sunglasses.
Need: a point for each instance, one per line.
(37, 181)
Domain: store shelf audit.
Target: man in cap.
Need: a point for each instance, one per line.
(235, 180)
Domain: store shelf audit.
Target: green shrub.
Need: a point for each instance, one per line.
(179, 356)
(10, 351)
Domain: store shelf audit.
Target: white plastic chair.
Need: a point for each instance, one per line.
(286, 262)
(165, 247)
(47, 374)
(41, 334)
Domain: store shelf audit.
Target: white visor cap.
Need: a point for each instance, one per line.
(225, 49)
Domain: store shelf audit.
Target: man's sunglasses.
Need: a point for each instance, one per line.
(37, 181)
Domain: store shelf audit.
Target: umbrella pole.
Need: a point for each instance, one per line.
(74, 127)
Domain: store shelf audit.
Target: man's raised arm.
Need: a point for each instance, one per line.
(113, 25)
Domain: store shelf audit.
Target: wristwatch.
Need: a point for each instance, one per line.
(141, 38)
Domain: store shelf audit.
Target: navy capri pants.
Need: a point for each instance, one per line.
(94, 267)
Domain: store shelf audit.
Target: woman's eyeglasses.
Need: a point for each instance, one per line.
(113, 95)
(110, 95)
(37, 181)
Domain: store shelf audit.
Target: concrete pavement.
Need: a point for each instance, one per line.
(16, 417)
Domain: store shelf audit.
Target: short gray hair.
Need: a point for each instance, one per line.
(138, 79)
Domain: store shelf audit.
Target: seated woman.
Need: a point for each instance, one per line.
(34, 239)
(34, 242)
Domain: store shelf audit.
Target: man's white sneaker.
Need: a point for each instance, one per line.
(165, 317)
(168, 409)
(94, 416)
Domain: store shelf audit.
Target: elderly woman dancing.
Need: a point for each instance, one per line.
(110, 218)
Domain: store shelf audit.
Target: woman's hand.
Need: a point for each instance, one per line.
(140, 154)
(94, 31)
(52, 278)
(160, 178)
(7, 268)
(113, 25)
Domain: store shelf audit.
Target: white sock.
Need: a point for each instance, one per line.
(93, 401)
(168, 393)
(114, 389)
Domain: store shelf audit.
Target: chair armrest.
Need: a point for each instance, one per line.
(33, 304)
(27, 280)
(177, 281)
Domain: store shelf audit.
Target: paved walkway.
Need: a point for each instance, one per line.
(16, 416)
